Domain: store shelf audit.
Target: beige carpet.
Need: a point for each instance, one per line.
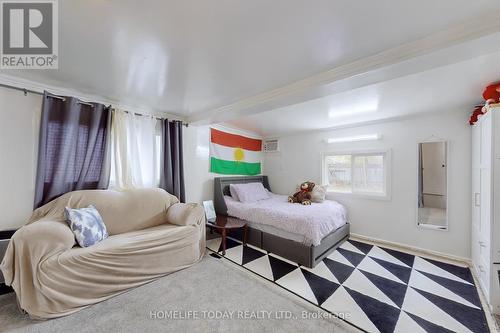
(211, 288)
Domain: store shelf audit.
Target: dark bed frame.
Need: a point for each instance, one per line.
(305, 255)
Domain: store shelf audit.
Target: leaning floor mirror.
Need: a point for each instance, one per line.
(432, 185)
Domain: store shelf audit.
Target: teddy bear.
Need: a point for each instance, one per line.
(304, 195)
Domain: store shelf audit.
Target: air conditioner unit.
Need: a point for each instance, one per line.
(271, 146)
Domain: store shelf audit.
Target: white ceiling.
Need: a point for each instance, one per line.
(189, 57)
(452, 87)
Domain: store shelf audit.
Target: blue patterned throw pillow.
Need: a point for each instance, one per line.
(87, 225)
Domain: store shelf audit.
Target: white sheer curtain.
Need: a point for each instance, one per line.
(135, 152)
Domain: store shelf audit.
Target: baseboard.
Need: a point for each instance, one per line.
(490, 316)
(479, 283)
(415, 250)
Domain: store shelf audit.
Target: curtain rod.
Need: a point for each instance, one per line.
(26, 91)
(63, 99)
(157, 118)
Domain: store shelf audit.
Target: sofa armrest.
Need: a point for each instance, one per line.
(33, 243)
(186, 214)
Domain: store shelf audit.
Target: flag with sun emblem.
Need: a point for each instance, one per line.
(232, 154)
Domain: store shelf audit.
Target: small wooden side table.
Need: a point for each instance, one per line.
(225, 223)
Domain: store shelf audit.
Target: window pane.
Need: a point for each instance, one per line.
(368, 174)
(338, 170)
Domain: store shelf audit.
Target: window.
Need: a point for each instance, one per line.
(135, 151)
(363, 173)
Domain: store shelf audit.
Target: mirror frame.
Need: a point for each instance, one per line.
(447, 161)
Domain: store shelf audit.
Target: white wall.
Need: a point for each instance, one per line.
(19, 127)
(394, 220)
(198, 180)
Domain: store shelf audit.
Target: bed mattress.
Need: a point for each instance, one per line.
(301, 223)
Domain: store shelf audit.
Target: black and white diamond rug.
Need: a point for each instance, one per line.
(374, 288)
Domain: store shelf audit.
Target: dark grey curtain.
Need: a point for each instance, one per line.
(172, 168)
(73, 150)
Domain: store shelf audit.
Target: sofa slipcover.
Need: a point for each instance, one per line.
(151, 235)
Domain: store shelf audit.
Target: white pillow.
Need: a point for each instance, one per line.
(318, 193)
(233, 192)
(250, 192)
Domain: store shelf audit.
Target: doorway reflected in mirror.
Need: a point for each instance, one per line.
(432, 185)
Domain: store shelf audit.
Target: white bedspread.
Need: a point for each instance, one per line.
(313, 222)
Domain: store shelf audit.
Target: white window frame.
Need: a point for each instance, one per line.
(368, 195)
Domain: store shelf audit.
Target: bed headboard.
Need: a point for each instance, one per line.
(221, 188)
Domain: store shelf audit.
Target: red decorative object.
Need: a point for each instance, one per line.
(492, 93)
(478, 112)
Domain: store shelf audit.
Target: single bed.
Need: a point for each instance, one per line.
(304, 234)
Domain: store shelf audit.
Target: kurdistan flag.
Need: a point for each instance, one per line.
(232, 154)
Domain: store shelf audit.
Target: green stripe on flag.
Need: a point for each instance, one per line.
(233, 167)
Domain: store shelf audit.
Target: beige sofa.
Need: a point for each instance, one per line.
(151, 234)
